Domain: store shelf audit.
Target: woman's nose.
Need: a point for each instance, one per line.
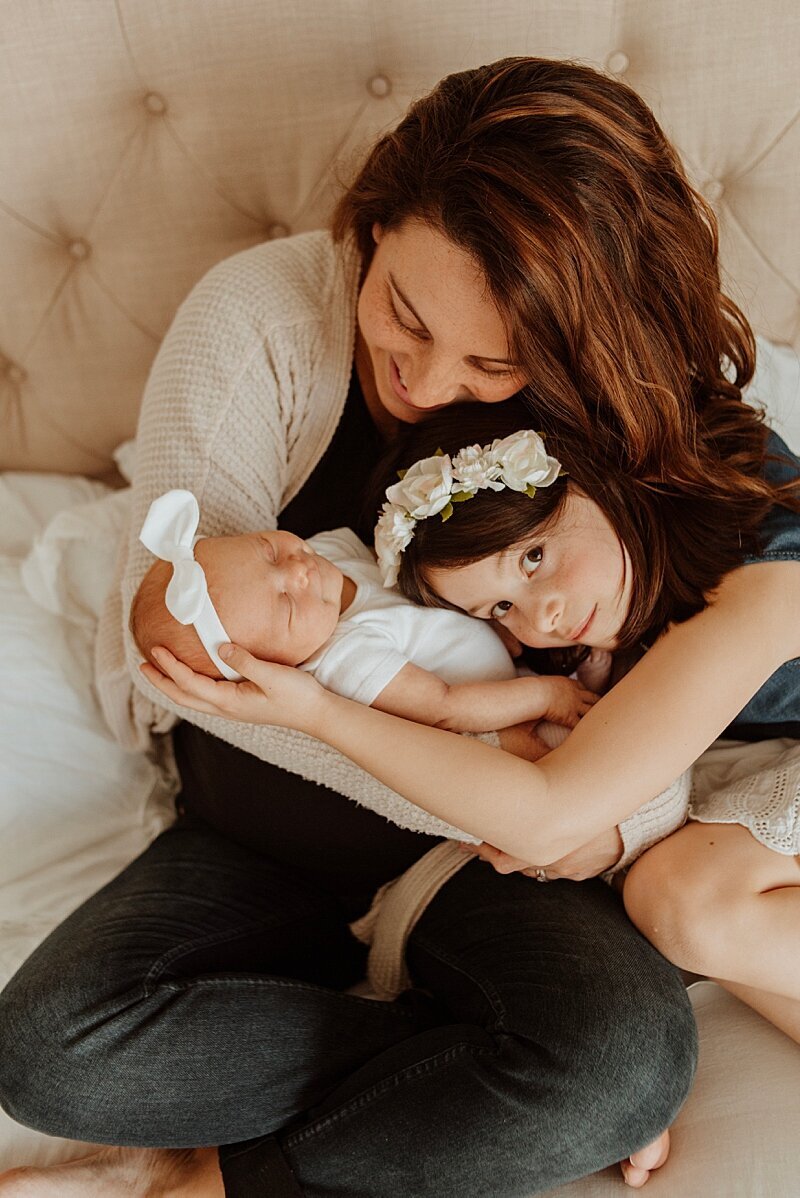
(433, 382)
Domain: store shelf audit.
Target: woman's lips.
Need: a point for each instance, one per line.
(398, 386)
(583, 628)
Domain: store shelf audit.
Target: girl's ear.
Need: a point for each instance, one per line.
(377, 233)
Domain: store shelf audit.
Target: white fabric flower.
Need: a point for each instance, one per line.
(393, 533)
(475, 470)
(426, 487)
(524, 462)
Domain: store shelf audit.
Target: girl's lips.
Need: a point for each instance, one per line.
(577, 633)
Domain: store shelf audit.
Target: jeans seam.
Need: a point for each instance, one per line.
(152, 976)
(357, 1103)
(489, 992)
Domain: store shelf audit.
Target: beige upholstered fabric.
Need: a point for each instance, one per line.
(142, 142)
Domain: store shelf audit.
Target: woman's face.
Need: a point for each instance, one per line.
(569, 585)
(430, 335)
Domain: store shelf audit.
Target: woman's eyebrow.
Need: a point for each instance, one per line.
(424, 327)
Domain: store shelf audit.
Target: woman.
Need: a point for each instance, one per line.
(527, 225)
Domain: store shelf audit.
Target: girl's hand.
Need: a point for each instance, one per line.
(279, 695)
(591, 859)
(565, 700)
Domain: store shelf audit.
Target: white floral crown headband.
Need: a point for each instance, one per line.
(431, 487)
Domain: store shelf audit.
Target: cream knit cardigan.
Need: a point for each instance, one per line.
(243, 399)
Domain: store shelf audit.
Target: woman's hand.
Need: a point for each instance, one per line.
(588, 861)
(271, 694)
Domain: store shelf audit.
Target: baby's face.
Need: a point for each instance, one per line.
(273, 594)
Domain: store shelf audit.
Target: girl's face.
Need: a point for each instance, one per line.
(570, 584)
(429, 335)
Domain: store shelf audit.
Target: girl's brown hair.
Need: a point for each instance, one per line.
(598, 253)
(680, 543)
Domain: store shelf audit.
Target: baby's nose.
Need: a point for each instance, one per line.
(297, 571)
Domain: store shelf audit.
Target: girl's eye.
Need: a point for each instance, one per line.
(532, 560)
(501, 608)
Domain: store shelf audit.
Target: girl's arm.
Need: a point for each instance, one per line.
(417, 694)
(630, 746)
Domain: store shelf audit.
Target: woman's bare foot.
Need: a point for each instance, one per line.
(637, 1168)
(122, 1173)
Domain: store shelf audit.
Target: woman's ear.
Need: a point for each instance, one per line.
(377, 233)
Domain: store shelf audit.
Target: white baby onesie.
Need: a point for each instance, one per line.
(381, 631)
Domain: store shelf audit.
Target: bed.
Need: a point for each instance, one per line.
(142, 143)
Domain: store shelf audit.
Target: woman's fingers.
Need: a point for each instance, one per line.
(199, 686)
(170, 688)
(504, 863)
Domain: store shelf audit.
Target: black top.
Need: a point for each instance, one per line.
(324, 835)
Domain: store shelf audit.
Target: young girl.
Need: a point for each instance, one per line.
(707, 579)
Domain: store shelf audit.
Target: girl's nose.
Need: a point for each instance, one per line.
(546, 615)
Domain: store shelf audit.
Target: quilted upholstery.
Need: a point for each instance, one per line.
(145, 140)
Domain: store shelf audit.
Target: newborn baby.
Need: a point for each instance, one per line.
(321, 605)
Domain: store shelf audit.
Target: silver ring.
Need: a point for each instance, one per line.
(541, 875)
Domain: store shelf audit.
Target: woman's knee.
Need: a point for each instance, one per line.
(619, 1083)
(46, 1019)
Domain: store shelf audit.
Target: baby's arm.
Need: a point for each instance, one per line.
(417, 694)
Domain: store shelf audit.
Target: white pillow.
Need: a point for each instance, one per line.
(776, 388)
(74, 806)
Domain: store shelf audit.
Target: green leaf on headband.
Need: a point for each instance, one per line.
(530, 491)
(447, 512)
(401, 474)
(562, 472)
(439, 453)
(462, 496)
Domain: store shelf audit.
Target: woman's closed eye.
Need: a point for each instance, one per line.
(398, 322)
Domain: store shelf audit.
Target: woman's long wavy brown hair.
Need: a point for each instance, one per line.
(598, 253)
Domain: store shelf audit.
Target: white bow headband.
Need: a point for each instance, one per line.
(169, 532)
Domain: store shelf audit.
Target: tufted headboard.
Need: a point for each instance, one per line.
(143, 140)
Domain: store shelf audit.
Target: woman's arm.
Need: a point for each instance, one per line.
(631, 745)
(417, 694)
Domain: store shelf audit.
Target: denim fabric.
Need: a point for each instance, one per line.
(197, 1000)
(778, 700)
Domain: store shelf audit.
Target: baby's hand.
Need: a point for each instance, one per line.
(565, 701)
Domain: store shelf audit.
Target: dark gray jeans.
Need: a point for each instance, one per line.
(197, 1000)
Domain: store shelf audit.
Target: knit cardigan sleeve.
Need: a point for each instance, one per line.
(243, 399)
